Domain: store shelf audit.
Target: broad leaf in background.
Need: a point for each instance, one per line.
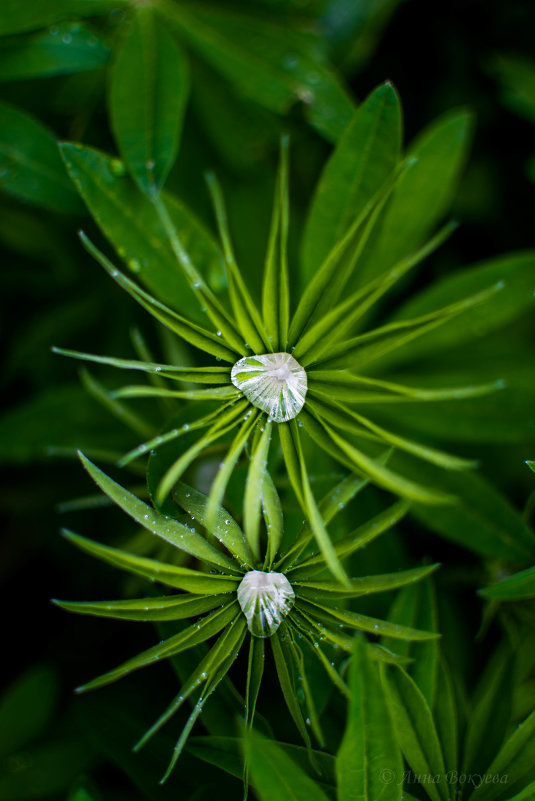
(63, 49)
(365, 155)
(149, 89)
(275, 775)
(30, 165)
(269, 64)
(369, 751)
(422, 196)
(131, 223)
(16, 17)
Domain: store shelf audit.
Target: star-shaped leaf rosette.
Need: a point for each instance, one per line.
(293, 371)
(234, 597)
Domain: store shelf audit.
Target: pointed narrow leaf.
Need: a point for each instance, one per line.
(167, 607)
(513, 588)
(364, 585)
(254, 488)
(415, 730)
(167, 528)
(181, 578)
(369, 751)
(224, 527)
(187, 638)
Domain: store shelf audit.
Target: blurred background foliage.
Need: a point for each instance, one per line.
(256, 69)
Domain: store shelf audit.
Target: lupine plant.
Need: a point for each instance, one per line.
(321, 465)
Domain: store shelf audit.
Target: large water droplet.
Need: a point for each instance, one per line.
(273, 382)
(265, 600)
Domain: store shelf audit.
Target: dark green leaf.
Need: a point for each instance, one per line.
(63, 49)
(149, 88)
(369, 754)
(30, 165)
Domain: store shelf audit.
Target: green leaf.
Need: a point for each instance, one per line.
(275, 775)
(170, 530)
(513, 588)
(224, 528)
(149, 89)
(445, 715)
(195, 334)
(30, 166)
(230, 641)
(129, 220)
(333, 616)
(225, 423)
(181, 578)
(358, 538)
(491, 712)
(195, 375)
(514, 270)
(64, 49)
(382, 475)
(368, 752)
(255, 671)
(18, 17)
(422, 195)
(416, 606)
(281, 67)
(415, 730)
(119, 410)
(365, 155)
(524, 795)
(254, 489)
(285, 674)
(364, 585)
(26, 708)
(165, 607)
(273, 518)
(515, 760)
(187, 638)
(482, 519)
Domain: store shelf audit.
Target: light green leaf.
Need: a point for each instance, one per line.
(195, 375)
(368, 751)
(332, 615)
(128, 219)
(273, 518)
(365, 155)
(415, 730)
(170, 530)
(254, 488)
(30, 166)
(181, 578)
(149, 89)
(224, 528)
(64, 49)
(422, 195)
(364, 585)
(360, 537)
(166, 607)
(275, 775)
